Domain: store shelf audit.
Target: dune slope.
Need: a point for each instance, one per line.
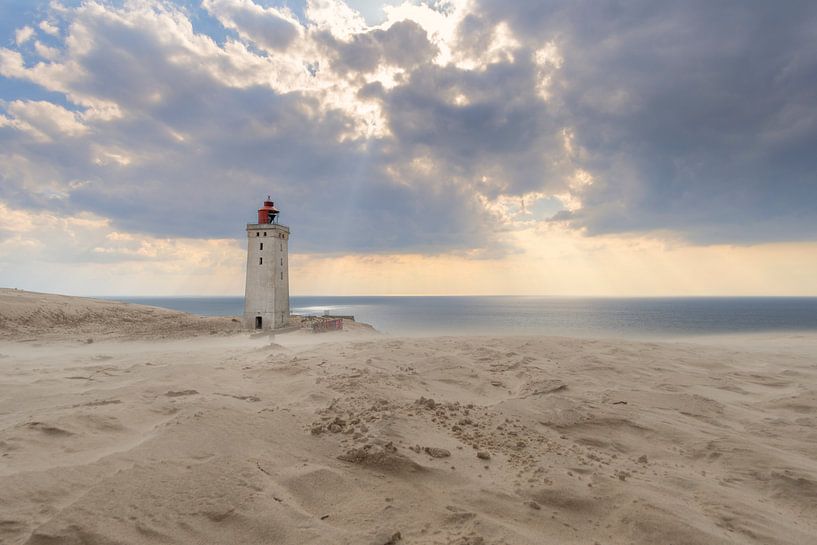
(26, 315)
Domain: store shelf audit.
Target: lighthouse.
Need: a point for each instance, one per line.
(266, 292)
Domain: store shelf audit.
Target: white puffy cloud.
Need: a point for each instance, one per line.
(46, 121)
(270, 28)
(22, 35)
(46, 52)
(336, 17)
(49, 28)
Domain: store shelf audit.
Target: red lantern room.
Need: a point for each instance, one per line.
(268, 213)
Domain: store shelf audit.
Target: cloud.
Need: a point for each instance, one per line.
(694, 118)
(404, 44)
(46, 52)
(45, 121)
(446, 128)
(22, 35)
(336, 17)
(487, 129)
(175, 135)
(270, 28)
(49, 28)
(94, 258)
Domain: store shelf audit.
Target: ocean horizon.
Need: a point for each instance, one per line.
(628, 317)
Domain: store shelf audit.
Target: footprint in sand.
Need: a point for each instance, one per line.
(48, 429)
(181, 393)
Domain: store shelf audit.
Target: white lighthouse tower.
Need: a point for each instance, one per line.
(266, 294)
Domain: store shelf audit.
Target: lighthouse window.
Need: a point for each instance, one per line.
(257, 234)
(260, 260)
(282, 261)
(282, 246)
(282, 275)
(262, 246)
(265, 233)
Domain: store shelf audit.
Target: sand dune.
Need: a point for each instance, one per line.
(378, 440)
(26, 315)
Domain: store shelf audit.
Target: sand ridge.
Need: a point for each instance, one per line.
(33, 317)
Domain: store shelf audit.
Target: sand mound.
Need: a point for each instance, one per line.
(383, 457)
(35, 316)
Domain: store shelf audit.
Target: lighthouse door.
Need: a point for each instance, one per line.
(258, 322)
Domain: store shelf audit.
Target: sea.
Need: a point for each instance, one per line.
(592, 317)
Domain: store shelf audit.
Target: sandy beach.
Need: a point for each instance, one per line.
(122, 424)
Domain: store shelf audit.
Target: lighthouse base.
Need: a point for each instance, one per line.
(265, 320)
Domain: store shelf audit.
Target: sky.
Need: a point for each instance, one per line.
(474, 147)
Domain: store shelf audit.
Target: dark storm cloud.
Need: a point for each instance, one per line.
(694, 117)
(502, 131)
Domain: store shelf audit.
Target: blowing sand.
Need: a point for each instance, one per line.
(366, 439)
